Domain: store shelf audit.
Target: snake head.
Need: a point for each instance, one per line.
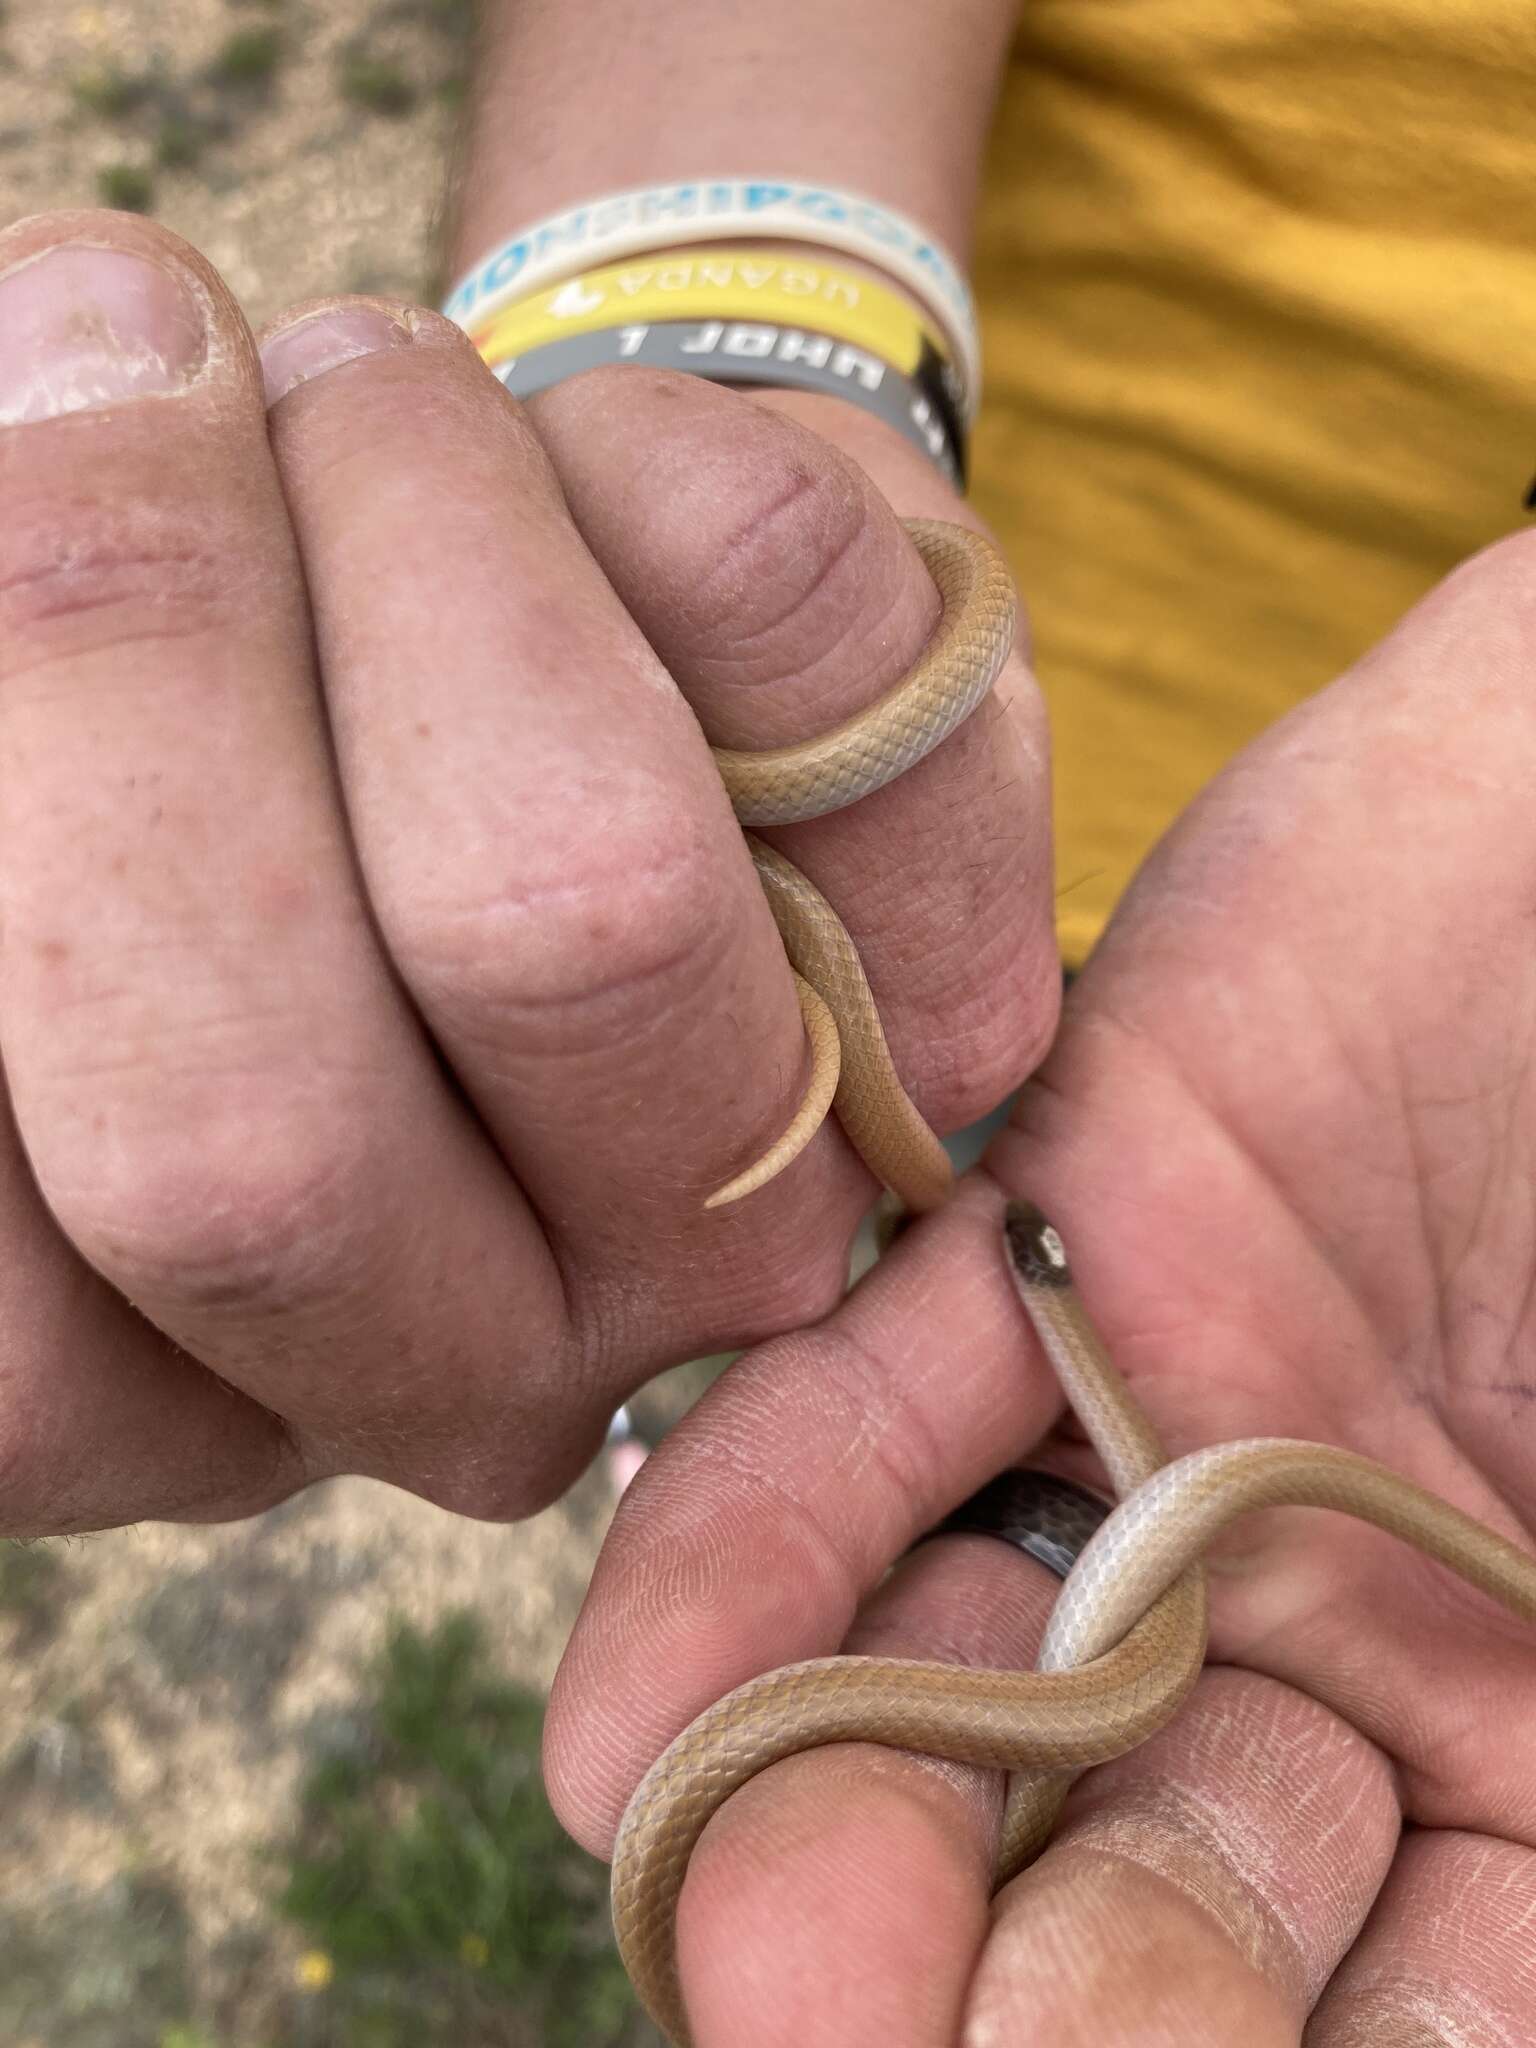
(1035, 1246)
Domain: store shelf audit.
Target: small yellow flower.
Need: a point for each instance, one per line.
(475, 1950)
(314, 1970)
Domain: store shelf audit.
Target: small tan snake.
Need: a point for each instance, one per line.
(1127, 1637)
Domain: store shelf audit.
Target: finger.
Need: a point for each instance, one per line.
(102, 1419)
(1200, 1890)
(842, 1896)
(225, 1102)
(771, 574)
(751, 1535)
(547, 846)
(1446, 1957)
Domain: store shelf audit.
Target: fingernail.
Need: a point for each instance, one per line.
(322, 341)
(83, 327)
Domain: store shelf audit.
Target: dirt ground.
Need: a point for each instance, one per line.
(157, 1684)
(305, 183)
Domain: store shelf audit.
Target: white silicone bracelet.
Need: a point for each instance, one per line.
(653, 217)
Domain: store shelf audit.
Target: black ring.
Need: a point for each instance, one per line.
(1049, 1518)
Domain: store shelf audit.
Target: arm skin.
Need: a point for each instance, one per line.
(888, 97)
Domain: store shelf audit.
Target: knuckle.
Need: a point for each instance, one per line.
(799, 515)
(77, 573)
(981, 1054)
(251, 1211)
(593, 928)
(759, 518)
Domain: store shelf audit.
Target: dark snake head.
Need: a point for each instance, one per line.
(1035, 1247)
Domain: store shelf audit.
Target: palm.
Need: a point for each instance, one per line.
(1325, 986)
(1288, 1131)
(1306, 1054)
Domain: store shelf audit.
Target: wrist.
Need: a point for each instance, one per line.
(887, 97)
(766, 314)
(610, 143)
(709, 247)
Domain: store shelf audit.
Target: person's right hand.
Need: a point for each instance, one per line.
(1288, 1133)
(385, 981)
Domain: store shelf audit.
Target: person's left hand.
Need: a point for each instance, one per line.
(386, 981)
(1287, 1133)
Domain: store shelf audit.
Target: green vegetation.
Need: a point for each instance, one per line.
(179, 115)
(249, 60)
(30, 1575)
(128, 187)
(407, 53)
(436, 1892)
(452, 17)
(408, 50)
(434, 1895)
(377, 83)
(106, 89)
(180, 142)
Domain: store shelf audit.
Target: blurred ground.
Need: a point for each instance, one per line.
(163, 1695)
(299, 143)
(165, 1692)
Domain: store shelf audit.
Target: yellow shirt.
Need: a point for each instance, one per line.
(1258, 283)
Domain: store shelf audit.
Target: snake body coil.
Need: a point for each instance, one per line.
(958, 667)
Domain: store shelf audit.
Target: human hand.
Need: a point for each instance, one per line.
(1287, 1134)
(386, 980)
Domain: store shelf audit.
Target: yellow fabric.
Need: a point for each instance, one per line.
(1258, 281)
